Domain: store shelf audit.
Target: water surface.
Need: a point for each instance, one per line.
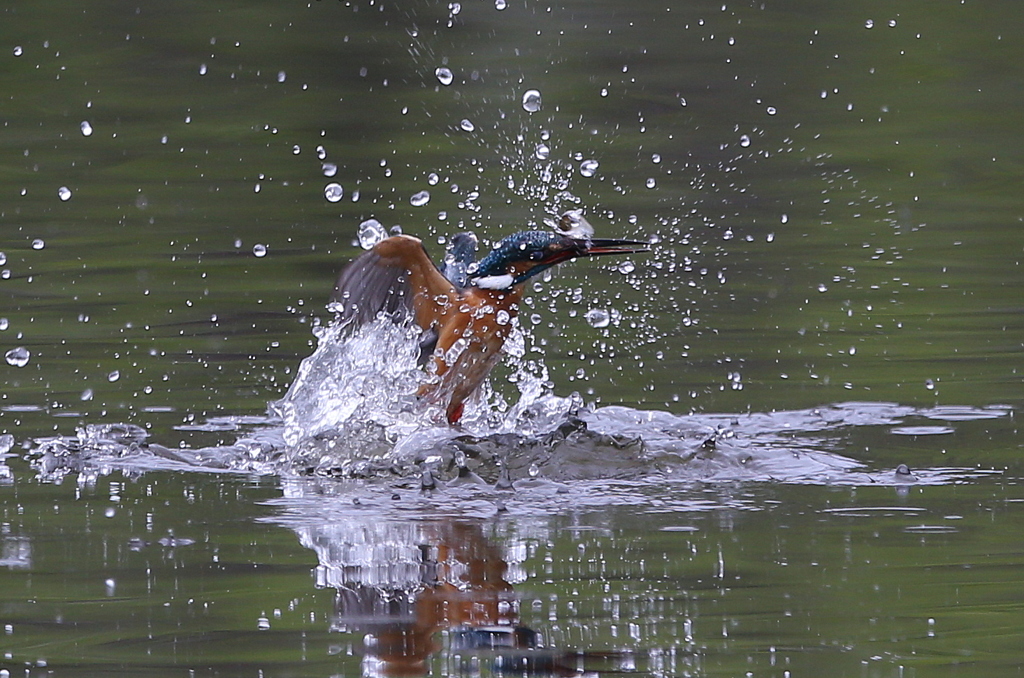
(792, 449)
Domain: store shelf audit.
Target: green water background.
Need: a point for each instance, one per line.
(844, 177)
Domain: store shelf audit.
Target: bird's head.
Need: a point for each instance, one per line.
(522, 255)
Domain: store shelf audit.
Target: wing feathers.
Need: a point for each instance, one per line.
(396, 278)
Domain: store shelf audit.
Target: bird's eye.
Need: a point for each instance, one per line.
(537, 256)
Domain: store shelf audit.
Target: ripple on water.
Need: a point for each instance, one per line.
(352, 413)
(922, 430)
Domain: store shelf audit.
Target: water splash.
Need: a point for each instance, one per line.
(531, 101)
(588, 168)
(353, 381)
(598, 317)
(371, 232)
(18, 357)
(353, 412)
(444, 75)
(333, 192)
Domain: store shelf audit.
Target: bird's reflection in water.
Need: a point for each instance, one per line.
(400, 583)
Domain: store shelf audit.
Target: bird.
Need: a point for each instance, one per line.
(464, 309)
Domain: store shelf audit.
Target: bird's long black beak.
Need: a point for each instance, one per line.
(571, 248)
(548, 251)
(598, 246)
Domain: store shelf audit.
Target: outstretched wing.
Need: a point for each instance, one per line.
(395, 278)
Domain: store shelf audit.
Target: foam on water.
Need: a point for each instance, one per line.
(353, 413)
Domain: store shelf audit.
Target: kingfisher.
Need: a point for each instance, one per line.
(465, 309)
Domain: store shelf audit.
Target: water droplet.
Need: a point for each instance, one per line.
(531, 101)
(784, 218)
(64, 193)
(333, 192)
(500, 5)
(770, 237)
(18, 356)
(329, 169)
(38, 244)
(656, 158)
(371, 232)
(17, 51)
(86, 128)
(321, 153)
(444, 75)
(928, 383)
(588, 168)
(467, 125)
(869, 24)
(822, 287)
(598, 317)
(744, 141)
(4, 324)
(420, 199)
(3, 258)
(296, 149)
(202, 69)
(432, 179)
(502, 317)
(627, 267)
(281, 76)
(86, 395)
(114, 376)
(771, 110)
(259, 250)
(892, 23)
(542, 152)
(651, 183)
(263, 624)
(682, 101)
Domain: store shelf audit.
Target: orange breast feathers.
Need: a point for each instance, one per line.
(469, 343)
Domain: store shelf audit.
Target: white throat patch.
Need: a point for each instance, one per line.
(495, 282)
